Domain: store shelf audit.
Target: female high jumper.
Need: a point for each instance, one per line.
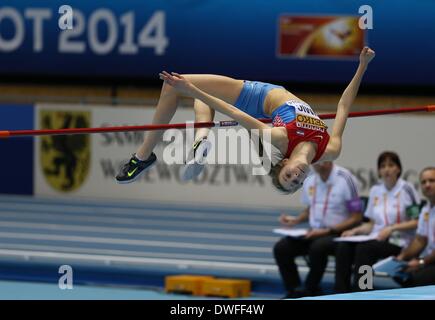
(298, 133)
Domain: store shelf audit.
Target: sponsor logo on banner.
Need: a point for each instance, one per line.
(320, 36)
(65, 159)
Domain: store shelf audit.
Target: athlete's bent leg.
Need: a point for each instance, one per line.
(222, 87)
(225, 88)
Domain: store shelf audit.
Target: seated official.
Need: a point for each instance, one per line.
(333, 205)
(389, 223)
(420, 254)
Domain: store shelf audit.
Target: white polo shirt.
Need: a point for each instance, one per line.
(426, 227)
(328, 200)
(388, 207)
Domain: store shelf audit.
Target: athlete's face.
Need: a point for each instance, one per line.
(389, 172)
(292, 176)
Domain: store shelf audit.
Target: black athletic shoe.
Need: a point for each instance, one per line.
(134, 168)
(301, 293)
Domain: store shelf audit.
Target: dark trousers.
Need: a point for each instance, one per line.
(351, 256)
(287, 249)
(421, 277)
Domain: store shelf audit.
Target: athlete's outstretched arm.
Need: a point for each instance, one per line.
(185, 86)
(334, 146)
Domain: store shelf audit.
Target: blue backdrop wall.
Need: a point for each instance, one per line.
(16, 156)
(133, 38)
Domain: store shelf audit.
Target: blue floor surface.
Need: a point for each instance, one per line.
(15, 290)
(416, 293)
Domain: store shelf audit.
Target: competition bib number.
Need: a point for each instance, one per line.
(306, 118)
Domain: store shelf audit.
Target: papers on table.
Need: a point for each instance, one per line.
(294, 233)
(391, 266)
(360, 238)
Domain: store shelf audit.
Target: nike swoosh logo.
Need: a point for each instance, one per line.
(132, 172)
(321, 137)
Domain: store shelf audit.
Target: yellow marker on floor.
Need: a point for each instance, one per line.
(231, 288)
(191, 284)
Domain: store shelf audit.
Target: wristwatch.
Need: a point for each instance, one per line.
(421, 262)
